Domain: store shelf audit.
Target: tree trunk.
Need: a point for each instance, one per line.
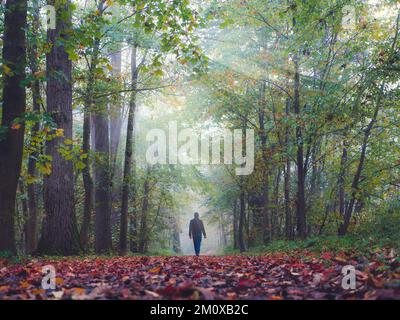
(133, 227)
(115, 112)
(59, 232)
(242, 213)
(88, 135)
(176, 240)
(129, 178)
(343, 165)
(300, 201)
(223, 231)
(274, 216)
(14, 104)
(265, 214)
(235, 226)
(288, 214)
(87, 181)
(19, 225)
(357, 176)
(102, 186)
(143, 218)
(115, 124)
(86, 172)
(31, 223)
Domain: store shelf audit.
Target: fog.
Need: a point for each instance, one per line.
(210, 246)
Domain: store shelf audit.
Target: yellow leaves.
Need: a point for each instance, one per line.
(109, 3)
(141, 6)
(68, 141)
(159, 73)
(7, 71)
(44, 168)
(73, 153)
(80, 165)
(47, 168)
(59, 132)
(109, 67)
(73, 56)
(83, 155)
(30, 179)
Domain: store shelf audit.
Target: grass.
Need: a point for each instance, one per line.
(21, 259)
(356, 244)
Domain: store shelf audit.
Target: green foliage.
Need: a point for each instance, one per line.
(356, 244)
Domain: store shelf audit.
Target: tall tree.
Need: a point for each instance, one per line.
(266, 225)
(87, 179)
(288, 213)
(31, 223)
(88, 123)
(301, 199)
(14, 104)
(128, 178)
(59, 231)
(102, 186)
(357, 176)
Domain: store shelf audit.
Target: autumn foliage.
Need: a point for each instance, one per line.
(301, 275)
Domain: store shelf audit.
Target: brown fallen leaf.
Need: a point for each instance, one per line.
(340, 260)
(152, 293)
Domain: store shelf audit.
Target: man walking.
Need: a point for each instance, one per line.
(196, 230)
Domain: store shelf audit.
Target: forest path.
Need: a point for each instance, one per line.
(300, 275)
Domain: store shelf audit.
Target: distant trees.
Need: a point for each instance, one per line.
(311, 93)
(129, 176)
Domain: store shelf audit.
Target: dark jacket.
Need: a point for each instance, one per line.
(196, 228)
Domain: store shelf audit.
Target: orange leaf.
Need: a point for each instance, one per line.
(38, 291)
(79, 291)
(4, 288)
(155, 270)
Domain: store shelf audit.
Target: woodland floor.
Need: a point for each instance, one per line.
(298, 275)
